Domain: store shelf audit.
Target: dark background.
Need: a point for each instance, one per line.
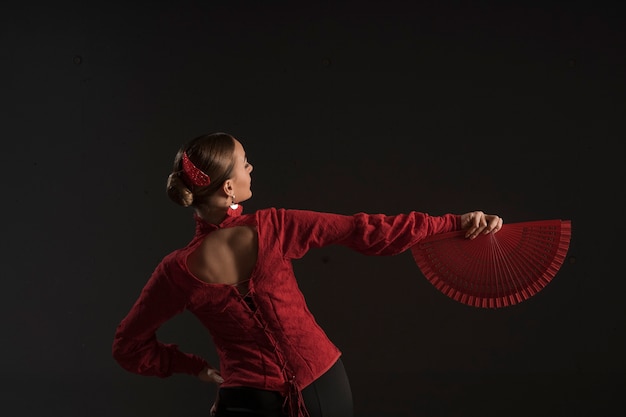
(514, 108)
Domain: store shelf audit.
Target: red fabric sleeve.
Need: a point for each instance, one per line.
(370, 234)
(380, 234)
(135, 346)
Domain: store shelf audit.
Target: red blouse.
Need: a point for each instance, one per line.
(278, 345)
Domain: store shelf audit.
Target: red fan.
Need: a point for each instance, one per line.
(495, 270)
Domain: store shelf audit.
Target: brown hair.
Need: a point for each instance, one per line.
(212, 153)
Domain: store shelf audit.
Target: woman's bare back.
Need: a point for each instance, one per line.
(226, 256)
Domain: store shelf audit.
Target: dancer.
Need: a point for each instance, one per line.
(235, 275)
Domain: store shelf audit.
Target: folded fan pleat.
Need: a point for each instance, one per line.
(495, 270)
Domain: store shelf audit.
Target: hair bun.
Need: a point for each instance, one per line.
(178, 191)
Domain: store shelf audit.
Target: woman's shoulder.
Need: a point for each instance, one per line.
(286, 211)
(277, 214)
(281, 217)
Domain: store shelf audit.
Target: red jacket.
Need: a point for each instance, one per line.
(278, 346)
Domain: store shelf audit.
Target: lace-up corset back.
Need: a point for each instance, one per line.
(226, 256)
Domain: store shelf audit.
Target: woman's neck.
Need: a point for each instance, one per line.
(213, 215)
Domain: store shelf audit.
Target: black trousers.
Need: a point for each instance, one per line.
(329, 396)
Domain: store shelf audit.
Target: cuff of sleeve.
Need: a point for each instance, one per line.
(457, 222)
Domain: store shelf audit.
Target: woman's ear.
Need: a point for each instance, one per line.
(227, 187)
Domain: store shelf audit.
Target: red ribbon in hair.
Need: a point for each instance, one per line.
(193, 174)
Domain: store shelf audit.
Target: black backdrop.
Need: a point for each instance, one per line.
(513, 108)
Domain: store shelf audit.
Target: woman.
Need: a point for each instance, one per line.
(236, 277)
